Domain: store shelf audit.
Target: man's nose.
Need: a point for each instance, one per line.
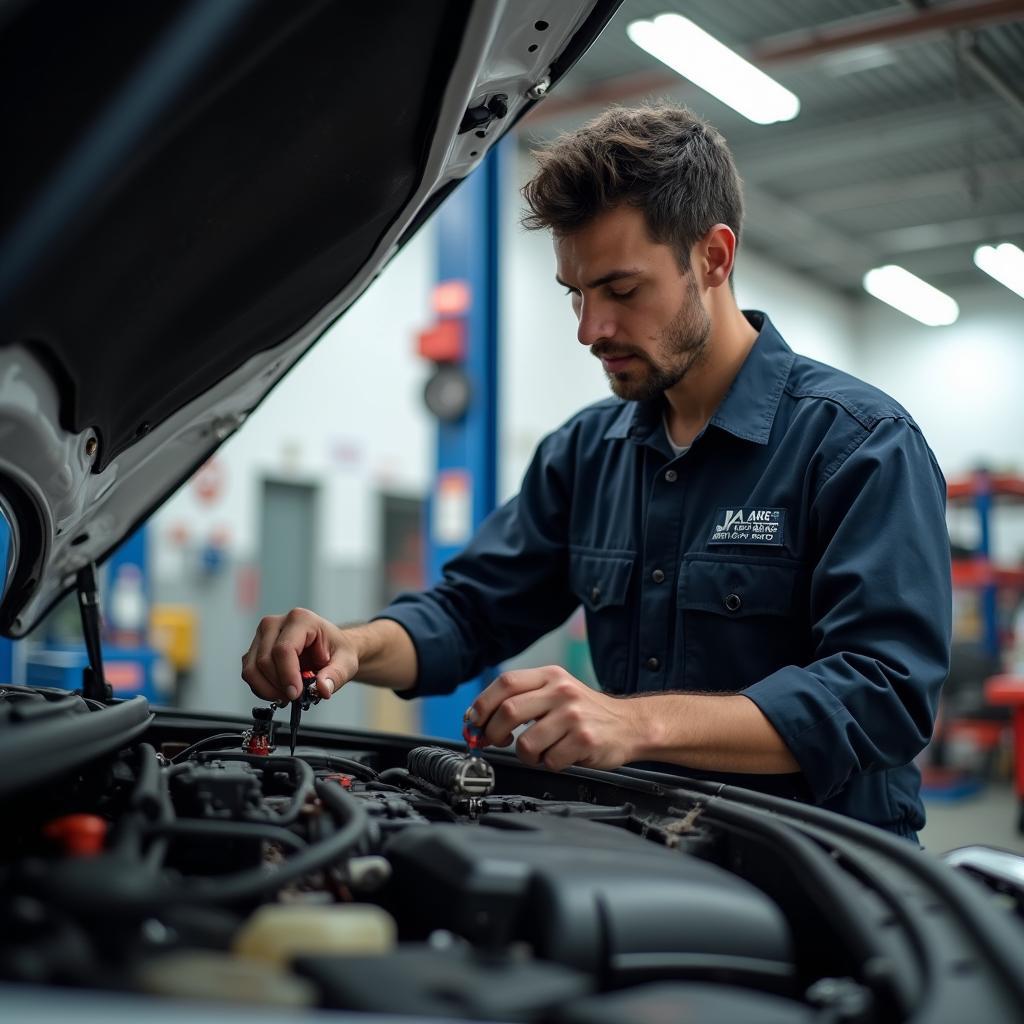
(595, 323)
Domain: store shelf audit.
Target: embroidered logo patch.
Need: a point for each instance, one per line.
(762, 526)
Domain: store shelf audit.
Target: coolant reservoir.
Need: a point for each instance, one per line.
(209, 974)
(278, 934)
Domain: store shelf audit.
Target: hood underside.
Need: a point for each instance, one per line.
(197, 192)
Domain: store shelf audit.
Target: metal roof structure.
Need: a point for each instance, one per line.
(909, 145)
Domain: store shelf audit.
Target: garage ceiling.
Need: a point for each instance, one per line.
(909, 146)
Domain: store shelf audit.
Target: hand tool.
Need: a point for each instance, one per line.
(308, 696)
(472, 734)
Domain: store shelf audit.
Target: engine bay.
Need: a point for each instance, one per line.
(395, 876)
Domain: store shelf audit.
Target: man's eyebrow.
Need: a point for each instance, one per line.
(612, 275)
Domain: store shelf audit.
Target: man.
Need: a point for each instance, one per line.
(758, 540)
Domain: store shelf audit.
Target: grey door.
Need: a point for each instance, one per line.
(286, 547)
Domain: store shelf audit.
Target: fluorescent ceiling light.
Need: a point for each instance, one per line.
(910, 295)
(689, 50)
(1003, 262)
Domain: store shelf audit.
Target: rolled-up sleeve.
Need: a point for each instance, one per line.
(881, 613)
(506, 589)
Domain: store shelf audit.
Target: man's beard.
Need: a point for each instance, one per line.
(683, 345)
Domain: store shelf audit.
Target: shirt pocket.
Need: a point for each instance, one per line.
(601, 582)
(741, 621)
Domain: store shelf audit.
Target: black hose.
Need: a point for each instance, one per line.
(150, 797)
(394, 776)
(204, 743)
(344, 764)
(249, 885)
(82, 891)
(226, 830)
(150, 802)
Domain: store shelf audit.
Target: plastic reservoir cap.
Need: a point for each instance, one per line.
(211, 974)
(277, 934)
(81, 835)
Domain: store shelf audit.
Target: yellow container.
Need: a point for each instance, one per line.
(173, 631)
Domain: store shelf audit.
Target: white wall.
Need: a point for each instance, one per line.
(815, 321)
(963, 385)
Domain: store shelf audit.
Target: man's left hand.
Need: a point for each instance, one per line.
(572, 724)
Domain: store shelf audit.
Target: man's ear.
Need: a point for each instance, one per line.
(714, 255)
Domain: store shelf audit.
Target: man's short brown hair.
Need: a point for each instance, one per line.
(664, 160)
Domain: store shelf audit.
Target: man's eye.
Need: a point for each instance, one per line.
(624, 295)
(571, 291)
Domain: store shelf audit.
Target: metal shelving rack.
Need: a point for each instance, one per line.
(985, 491)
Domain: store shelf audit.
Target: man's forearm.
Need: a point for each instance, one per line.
(386, 654)
(713, 732)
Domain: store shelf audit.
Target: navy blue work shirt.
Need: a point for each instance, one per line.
(797, 553)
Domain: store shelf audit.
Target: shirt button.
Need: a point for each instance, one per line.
(671, 476)
(653, 664)
(733, 602)
(595, 594)
(658, 576)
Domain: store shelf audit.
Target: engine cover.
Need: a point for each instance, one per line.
(590, 897)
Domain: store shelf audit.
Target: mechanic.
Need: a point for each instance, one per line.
(758, 540)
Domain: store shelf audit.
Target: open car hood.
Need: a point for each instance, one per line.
(193, 194)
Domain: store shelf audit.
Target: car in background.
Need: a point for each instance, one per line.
(192, 194)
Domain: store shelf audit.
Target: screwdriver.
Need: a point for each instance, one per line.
(307, 697)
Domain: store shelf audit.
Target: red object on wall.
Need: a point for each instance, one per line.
(208, 483)
(247, 586)
(452, 298)
(445, 342)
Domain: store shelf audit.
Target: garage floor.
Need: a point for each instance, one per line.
(989, 817)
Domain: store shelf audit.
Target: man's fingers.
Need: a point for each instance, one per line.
(252, 673)
(533, 743)
(287, 671)
(284, 645)
(513, 712)
(297, 632)
(505, 686)
(563, 754)
(342, 667)
(259, 684)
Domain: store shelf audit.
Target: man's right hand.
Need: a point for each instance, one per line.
(287, 645)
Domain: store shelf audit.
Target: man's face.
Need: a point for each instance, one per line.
(638, 312)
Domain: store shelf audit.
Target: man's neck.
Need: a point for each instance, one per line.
(693, 401)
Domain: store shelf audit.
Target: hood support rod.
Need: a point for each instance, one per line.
(94, 683)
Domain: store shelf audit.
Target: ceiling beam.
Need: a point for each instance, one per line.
(887, 27)
(894, 190)
(769, 218)
(955, 232)
(992, 76)
(851, 139)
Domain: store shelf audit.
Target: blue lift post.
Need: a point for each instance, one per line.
(6, 646)
(467, 449)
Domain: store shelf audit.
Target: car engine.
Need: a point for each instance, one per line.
(398, 877)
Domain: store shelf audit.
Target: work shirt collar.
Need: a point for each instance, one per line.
(748, 409)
